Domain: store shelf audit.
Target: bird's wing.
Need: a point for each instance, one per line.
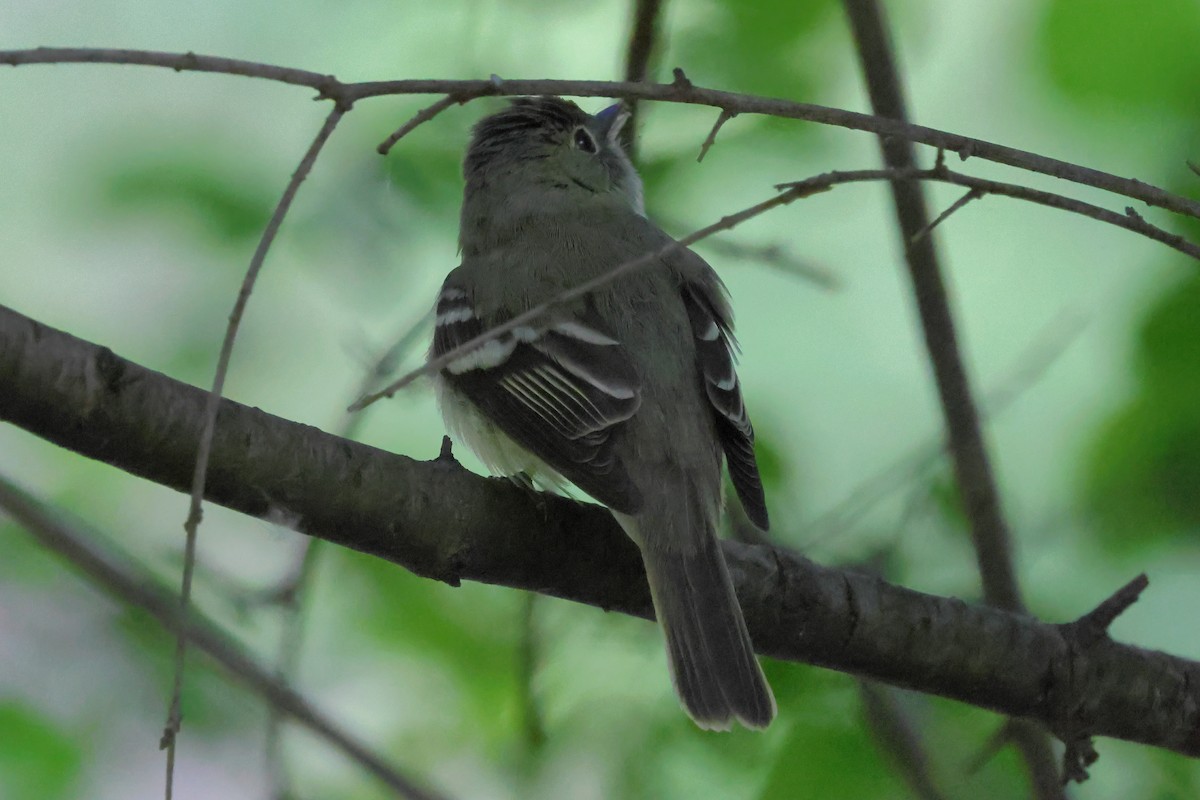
(557, 389)
(716, 350)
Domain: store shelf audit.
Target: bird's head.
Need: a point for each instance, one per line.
(547, 152)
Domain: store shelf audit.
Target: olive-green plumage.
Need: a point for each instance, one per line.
(629, 392)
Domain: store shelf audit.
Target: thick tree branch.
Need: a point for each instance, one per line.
(442, 522)
(679, 91)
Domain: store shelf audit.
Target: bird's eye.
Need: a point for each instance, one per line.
(584, 141)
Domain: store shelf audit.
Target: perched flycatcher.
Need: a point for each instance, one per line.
(628, 392)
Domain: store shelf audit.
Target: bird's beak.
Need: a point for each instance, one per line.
(611, 120)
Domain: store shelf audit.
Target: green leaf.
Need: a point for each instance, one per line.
(757, 47)
(37, 760)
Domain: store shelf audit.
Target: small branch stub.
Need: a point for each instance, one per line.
(709, 140)
(1081, 635)
(1094, 625)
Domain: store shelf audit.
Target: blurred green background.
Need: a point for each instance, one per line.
(130, 202)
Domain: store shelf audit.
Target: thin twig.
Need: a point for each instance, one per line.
(773, 254)
(195, 514)
(725, 223)
(643, 39)
(420, 118)
(711, 139)
(972, 194)
(326, 85)
(809, 186)
(776, 257)
(1049, 199)
(678, 91)
(133, 586)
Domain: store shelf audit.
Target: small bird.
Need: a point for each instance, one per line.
(628, 392)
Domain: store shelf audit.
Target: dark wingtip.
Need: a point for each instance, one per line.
(748, 485)
(756, 511)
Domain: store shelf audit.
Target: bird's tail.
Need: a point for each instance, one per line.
(713, 666)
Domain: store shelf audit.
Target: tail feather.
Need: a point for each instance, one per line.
(713, 666)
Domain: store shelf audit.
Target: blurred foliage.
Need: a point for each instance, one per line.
(773, 466)
(223, 201)
(470, 632)
(773, 30)
(1140, 473)
(1143, 474)
(430, 176)
(210, 702)
(789, 59)
(47, 763)
(944, 495)
(1106, 52)
(24, 562)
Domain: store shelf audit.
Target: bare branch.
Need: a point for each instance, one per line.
(777, 257)
(981, 501)
(444, 523)
(804, 188)
(1049, 199)
(681, 90)
(527, 661)
(972, 194)
(199, 476)
(135, 587)
(711, 139)
(771, 254)
(326, 86)
(420, 118)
